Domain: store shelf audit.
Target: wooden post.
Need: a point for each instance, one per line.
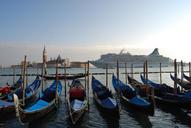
(175, 76)
(56, 94)
(13, 74)
(37, 70)
(24, 79)
(126, 73)
(144, 65)
(132, 70)
(160, 73)
(117, 70)
(118, 89)
(146, 69)
(65, 79)
(106, 76)
(88, 81)
(182, 72)
(85, 77)
(26, 75)
(189, 69)
(42, 73)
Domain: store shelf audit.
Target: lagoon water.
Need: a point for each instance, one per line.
(164, 117)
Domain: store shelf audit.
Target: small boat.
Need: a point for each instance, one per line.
(187, 77)
(185, 84)
(77, 101)
(62, 76)
(129, 95)
(165, 95)
(104, 98)
(5, 90)
(7, 105)
(47, 102)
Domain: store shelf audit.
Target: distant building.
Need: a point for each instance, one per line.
(77, 64)
(61, 62)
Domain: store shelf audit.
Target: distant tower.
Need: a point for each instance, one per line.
(44, 60)
(44, 55)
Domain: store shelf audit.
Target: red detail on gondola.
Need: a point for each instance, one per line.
(77, 92)
(5, 90)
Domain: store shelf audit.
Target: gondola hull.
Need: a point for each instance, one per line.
(104, 108)
(184, 84)
(130, 97)
(179, 100)
(77, 101)
(28, 100)
(48, 101)
(32, 116)
(145, 92)
(76, 115)
(67, 77)
(104, 98)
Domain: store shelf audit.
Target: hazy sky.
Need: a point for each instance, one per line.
(85, 29)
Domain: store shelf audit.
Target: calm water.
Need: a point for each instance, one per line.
(164, 116)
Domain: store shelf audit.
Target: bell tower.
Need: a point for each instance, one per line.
(44, 55)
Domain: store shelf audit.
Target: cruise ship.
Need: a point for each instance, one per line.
(154, 59)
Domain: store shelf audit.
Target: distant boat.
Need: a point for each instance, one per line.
(185, 84)
(104, 98)
(123, 57)
(129, 95)
(77, 101)
(47, 102)
(62, 76)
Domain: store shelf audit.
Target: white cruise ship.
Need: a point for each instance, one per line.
(123, 57)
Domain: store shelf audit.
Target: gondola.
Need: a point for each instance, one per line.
(144, 91)
(47, 102)
(77, 101)
(165, 96)
(7, 105)
(104, 98)
(185, 84)
(62, 76)
(187, 77)
(129, 95)
(158, 88)
(5, 90)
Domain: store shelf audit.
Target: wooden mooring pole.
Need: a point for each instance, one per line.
(189, 69)
(65, 79)
(56, 94)
(175, 76)
(146, 70)
(160, 73)
(106, 76)
(126, 75)
(182, 72)
(13, 74)
(132, 70)
(24, 79)
(88, 81)
(85, 76)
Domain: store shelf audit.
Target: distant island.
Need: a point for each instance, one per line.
(110, 59)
